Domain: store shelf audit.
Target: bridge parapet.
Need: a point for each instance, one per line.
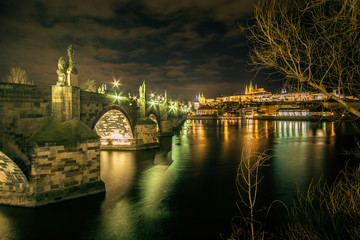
(24, 108)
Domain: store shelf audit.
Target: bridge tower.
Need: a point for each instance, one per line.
(141, 102)
(165, 123)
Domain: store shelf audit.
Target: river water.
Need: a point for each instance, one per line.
(186, 188)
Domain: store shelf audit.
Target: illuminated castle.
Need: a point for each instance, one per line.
(201, 99)
(254, 90)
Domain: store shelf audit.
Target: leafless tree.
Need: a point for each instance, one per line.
(89, 86)
(18, 75)
(248, 225)
(315, 44)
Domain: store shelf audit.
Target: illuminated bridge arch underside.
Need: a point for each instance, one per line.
(114, 129)
(153, 117)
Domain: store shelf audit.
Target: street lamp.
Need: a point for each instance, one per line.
(116, 83)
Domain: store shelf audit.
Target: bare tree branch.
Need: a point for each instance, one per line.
(18, 75)
(315, 44)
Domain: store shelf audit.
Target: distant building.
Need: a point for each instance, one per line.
(196, 105)
(249, 112)
(210, 100)
(201, 99)
(254, 90)
(292, 112)
(207, 110)
(253, 94)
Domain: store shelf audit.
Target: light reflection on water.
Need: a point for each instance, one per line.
(185, 189)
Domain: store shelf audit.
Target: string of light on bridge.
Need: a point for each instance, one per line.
(153, 98)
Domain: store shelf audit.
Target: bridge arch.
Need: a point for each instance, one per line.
(156, 119)
(12, 178)
(12, 151)
(114, 126)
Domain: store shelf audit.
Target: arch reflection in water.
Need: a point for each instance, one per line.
(135, 187)
(117, 171)
(114, 129)
(7, 229)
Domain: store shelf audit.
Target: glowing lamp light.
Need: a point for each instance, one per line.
(152, 103)
(117, 97)
(116, 83)
(172, 106)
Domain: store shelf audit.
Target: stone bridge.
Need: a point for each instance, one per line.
(50, 138)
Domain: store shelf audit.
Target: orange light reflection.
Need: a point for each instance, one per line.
(226, 131)
(332, 129)
(266, 129)
(256, 128)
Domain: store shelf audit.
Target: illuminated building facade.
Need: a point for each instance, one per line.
(201, 98)
(292, 112)
(207, 110)
(254, 90)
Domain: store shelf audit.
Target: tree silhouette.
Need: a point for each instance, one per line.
(314, 44)
(18, 75)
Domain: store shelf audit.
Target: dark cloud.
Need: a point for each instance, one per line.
(185, 47)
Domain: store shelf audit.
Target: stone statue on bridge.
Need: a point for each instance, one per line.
(67, 72)
(61, 72)
(72, 68)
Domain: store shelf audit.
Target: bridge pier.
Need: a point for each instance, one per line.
(146, 134)
(166, 128)
(65, 164)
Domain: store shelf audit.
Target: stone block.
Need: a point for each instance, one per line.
(65, 102)
(70, 174)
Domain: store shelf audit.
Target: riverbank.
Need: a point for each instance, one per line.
(273, 118)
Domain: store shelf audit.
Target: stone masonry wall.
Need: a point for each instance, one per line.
(24, 108)
(65, 102)
(14, 186)
(92, 105)
(57, 167)
(146, 136)
(166, 128)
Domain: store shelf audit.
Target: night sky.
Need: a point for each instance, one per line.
(186, 46)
